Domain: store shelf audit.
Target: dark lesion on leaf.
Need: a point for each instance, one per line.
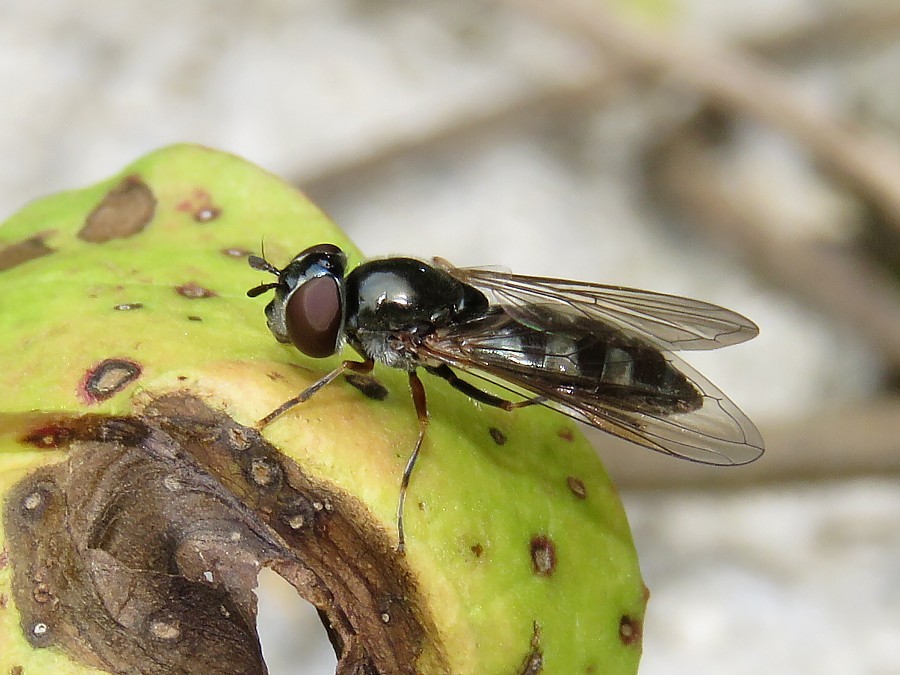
(236, 252)
(577, 487)
(13, 255)
(630, 630)
(543, 556)
(140, 552)
(204, 214)
(194, 291)
(123, 212)
(107, 378)
(533, 663)
(497, 435)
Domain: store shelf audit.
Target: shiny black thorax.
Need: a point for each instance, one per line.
(395, 302)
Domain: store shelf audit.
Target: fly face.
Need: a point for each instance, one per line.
(308, 308)
(603, 355)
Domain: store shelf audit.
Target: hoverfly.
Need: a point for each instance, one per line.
(603, 355)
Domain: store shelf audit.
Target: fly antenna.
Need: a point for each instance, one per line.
(259, 290)
(262, 265)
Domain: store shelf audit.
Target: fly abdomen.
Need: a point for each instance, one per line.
(635, 374)
(595, 361)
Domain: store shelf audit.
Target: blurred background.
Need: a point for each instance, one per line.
(741, 152)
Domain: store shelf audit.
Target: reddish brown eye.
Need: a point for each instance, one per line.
(313, 316)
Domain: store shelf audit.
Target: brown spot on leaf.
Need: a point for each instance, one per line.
(566, 434)
(4, 600)
(368, 386)
(194, 317)
(299, 513)
(165, 628)
(576, 485)
(239, 438)
(49, 436)
(124, 212)
(4, 559)
(128, 306)
(543, 555)
(200, 206)
(265, 472)
(16, 670)
(207, 213)
(236, 252)
(477, 549)
(108, 378)
(39, 635)
(498, 436)
(533, 662)
(25, 250)
(630, 630)
(43, 594)
(33, 504)
(193, 291)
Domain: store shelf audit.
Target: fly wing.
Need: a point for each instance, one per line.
(672, 322)
(711, 430)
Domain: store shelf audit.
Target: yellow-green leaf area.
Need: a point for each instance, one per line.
(170, 294)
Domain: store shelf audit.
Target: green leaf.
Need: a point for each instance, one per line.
(122, 298)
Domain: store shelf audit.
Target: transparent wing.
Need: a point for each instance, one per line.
(711, 430)
(670, 321)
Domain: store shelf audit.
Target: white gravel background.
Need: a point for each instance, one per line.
(785, 579)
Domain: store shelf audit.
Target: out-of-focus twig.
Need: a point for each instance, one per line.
(846, 28)
(467, 128)
(594, 87)
(832, 277)
(853, 441)
(865, 160)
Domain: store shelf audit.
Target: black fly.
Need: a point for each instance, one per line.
(603, 355)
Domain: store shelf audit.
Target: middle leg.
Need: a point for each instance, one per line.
(479, 395)
(419, 400)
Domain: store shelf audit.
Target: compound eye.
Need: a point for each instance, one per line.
(313, 316)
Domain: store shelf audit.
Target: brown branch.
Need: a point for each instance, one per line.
(468, 128)
(847, 28)
(471, 126)
(834, 278)
(739, 83)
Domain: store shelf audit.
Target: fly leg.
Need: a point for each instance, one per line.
(474, 392)
(418, 394)
(356, 366)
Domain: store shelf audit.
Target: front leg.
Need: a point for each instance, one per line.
(356, 366)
